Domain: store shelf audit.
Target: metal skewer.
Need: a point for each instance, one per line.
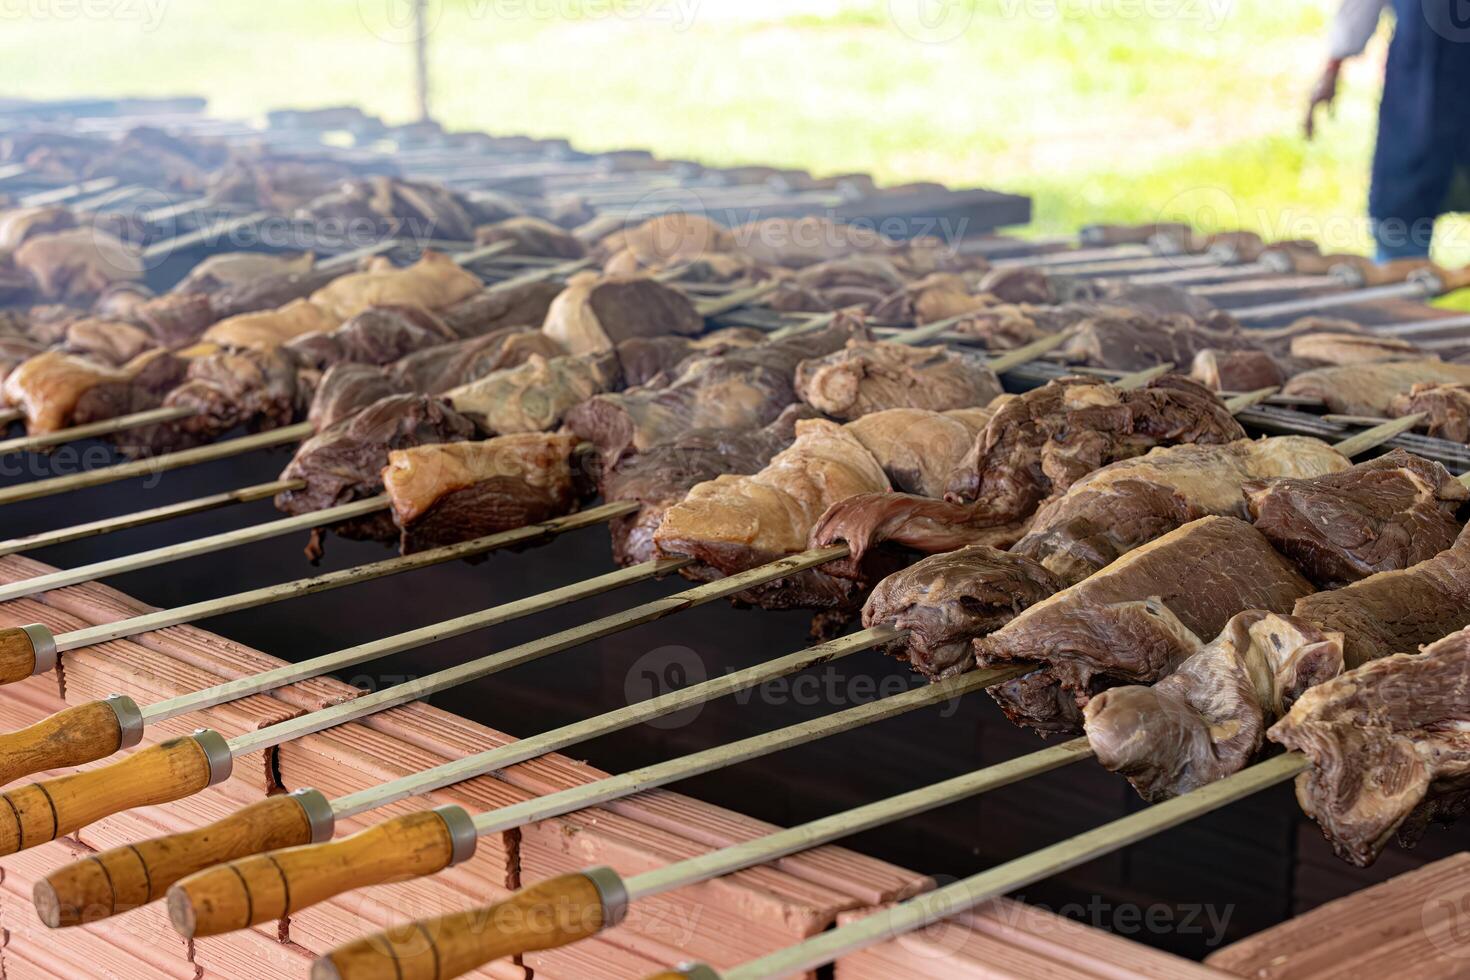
(182, 767)
(30, 650)
(587, 902)
(77, 887)
(1421, 285)
(963, 895)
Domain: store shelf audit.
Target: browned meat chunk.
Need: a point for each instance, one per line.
(381, 206)
(257, 389)
(75, 266)
(799, 242)
(1208, 718)
(1018, 285)
(1135, 620)
(1397, 610)
(434, 282)
(1385, 514)
(1446, 405)
(1133, 340)
(867, 377)
(347, 389)
(532, 236)
(907, 523)
(1110, 512)
(232, 270)
(919, 449)
(1369, 389)
(452, 492)
(107, 341)
(536, 395)
(1038, 445)
(379, 336)
(645, 358)
(596, 314)
(733, 523)
(741, 389)
(661, 477)
(508, 305)
(345, 462)
(947, 601)
(1389, 745)
(1351, 348)
(1238, 370)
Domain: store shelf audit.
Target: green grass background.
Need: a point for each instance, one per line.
(1116, 110)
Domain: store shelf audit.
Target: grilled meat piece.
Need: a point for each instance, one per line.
(733, 523)
(253, 388)
(1238, 370)
(1352, 348)
(451, 492)
(47, 387)
(1110, 512)
(345, 461)
(20, 225)
(1397, 610)
(75, 266)
(232, 270)
(268, 329)
(800, 242)
(108, 341)
(379, 335)
(948, 600)
(536, 395)
(918, 449)
(1389, 746)
(662, 476)
(596, 314)
(740, 389)
(1385, 514)
(906, 523)
(1135, 620)
(382, 206)
(1039, 444)
(532, 236)
(1018, 285)
(1208, 718)
(866, 377)
(435, 282)
(347, 389)
(519, 305)
(1446, 405)
(645, 358)
(1131, 340)
(1370, 389)
(150, 377)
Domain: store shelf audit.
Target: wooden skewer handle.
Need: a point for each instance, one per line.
(24, 652)
(269, 886)
(554, 913)
(71, 737)
(131, 876)
(171, 770)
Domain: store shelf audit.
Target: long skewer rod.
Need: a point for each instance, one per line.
(175, 769)
(108, 525)
(152, 416)
(963, 895)
(189, 549)
(155, 464)
(1356, 297)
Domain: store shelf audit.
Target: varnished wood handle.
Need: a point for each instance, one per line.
(17, 655)
(42, 812)
(131, 876)
(554, 913)
(70, 737)
(270, 886)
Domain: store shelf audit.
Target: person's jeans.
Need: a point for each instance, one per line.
(1400, 239)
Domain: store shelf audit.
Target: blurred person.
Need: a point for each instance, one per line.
(1421, 165)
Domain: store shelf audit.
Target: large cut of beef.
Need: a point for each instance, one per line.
(19, 225)
(1389, 745)
(535, 395)
(733, 523)
(857, 282)
(504, 305)
(1385, 514)
(917, 448)
(1108, 513)
(740, 389)
(109, 341)
(345, 462)
(1208, 718)
(661, 477)
(434, 282)
(232, 270)
(664, 241)
(1039, 444)
(385, 206)
(1351, 348)
(1135, 620)
(947, 600)
(1370, 389)
(1134, 340)
(379, 335)
(457, 491)
(866, 377)
(1239, 370)
(595, 314)
(532, 236)
(1446, 407)
(256, 389)
(645, 358)
(269, 329)
(1394, 611)
(75, 266)
(799, 242)
(52, 388)
(347, 387)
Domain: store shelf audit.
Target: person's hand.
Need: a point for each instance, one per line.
(1324, 93)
